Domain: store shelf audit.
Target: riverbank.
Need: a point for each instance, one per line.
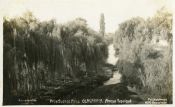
(109, 94)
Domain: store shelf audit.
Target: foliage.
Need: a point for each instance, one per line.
(37, 53)
(102, 24)
(143, 63)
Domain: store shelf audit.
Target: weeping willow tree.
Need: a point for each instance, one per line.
(37, 53)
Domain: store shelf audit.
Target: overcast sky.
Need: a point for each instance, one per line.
(115, 11)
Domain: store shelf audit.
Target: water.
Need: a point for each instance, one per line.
(115, 79)
(112, 59)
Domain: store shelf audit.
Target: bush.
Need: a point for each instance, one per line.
(144, 64)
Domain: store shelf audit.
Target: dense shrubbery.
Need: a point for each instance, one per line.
(146, 64)
(36, 53)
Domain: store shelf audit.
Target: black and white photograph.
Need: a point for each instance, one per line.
(87, 52)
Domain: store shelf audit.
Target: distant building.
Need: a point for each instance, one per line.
(159, 41)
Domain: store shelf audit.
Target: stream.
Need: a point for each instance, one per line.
(112, 59)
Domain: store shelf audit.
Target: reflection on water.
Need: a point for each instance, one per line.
(112, 59)
(115, 79)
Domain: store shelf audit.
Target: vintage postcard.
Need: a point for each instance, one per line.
(87, 52)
